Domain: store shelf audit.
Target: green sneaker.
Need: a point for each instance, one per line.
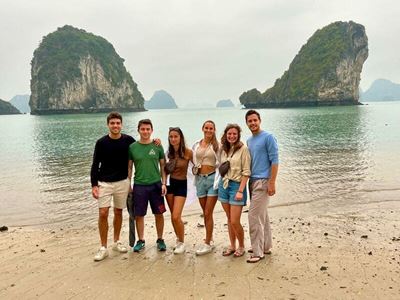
(140, 244)
(161, 245)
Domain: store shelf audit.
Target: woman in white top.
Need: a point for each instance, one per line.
(206, 161)
(232, 191)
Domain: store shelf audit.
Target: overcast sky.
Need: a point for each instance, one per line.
(197, 50)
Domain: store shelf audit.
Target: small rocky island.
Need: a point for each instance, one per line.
(74, 71)
(160, 100)
(21, 102)
(326, 71)
(225, 103)
(382, 90)
(6, 108)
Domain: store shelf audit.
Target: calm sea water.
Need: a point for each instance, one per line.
(333, 159)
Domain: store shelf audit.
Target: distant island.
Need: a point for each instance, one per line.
(6, 108)
(326, 71)
(21, 102)
(382, 90)
(74, 71)
(225, 103)
(160, 100)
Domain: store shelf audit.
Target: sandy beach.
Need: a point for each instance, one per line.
(352, 256)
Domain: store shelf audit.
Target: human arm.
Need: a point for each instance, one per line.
(163, 177)
(94, 172)
(273, 154)
(242, 186)
(246, 172)
(271, 181)
(157, 141)
(130, 165)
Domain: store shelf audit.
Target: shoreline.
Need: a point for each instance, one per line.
(347, 256)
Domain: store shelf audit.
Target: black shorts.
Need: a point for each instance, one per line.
(177, 187)
(143, 194)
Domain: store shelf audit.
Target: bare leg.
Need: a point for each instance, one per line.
(117, 223)
(170, 202)
(103, 225)
(208, 217)
(159, 225)
(176, 217)
(236, 212)
(232, 236)
(140, 227)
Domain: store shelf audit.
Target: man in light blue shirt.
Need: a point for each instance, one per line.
(264, 170)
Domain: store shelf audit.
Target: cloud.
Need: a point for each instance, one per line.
(196, 50)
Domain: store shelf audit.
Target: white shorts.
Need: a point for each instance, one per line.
(116, 191)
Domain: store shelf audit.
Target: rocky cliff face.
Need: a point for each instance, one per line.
(75, 71)
(326, 71)
(6, 108)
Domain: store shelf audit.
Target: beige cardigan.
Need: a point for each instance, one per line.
(239, 164)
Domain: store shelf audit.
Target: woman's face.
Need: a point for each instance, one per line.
(208, 130)
(174, 138)
(232, 135)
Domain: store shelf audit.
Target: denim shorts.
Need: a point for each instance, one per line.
(205, 186)
(228, 195)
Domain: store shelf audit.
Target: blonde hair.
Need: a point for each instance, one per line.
(214, 140)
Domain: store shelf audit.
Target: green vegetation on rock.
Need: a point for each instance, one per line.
(317, 68)
(73, 69)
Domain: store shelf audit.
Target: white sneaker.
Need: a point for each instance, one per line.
(179, 248)
(101, 254)
(118, 246)
(204, 249)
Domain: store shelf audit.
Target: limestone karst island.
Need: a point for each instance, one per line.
(326, 71)
(74, 71)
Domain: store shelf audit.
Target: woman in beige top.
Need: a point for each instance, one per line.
(206, 160)
(232, 191)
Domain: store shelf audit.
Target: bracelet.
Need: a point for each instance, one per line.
(240, 192)
(163, 184)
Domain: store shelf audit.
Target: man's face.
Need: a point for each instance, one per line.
(253, 122)
(115, 126)
(145, 131)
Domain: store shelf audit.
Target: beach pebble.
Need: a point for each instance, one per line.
(370, 253)
(3, 228)
(325, 234)
(42, 250)
(364, 236)
(323, 268)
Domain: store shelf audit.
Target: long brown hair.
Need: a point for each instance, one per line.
(226, 146)
(182, 146)
(214, 140)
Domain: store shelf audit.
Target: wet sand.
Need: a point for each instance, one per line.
(336, 256)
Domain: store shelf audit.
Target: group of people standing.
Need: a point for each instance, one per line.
(222, 171)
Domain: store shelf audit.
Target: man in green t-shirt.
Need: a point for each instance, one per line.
(149, 183)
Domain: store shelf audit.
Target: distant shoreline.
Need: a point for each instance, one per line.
(83, 111)
(293, 104)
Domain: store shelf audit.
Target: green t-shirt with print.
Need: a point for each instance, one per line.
(146, 158)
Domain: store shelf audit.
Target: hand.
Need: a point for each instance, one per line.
(157, 142)
(95, 192)
(271, 188)
(239, 196)
(163, 190)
